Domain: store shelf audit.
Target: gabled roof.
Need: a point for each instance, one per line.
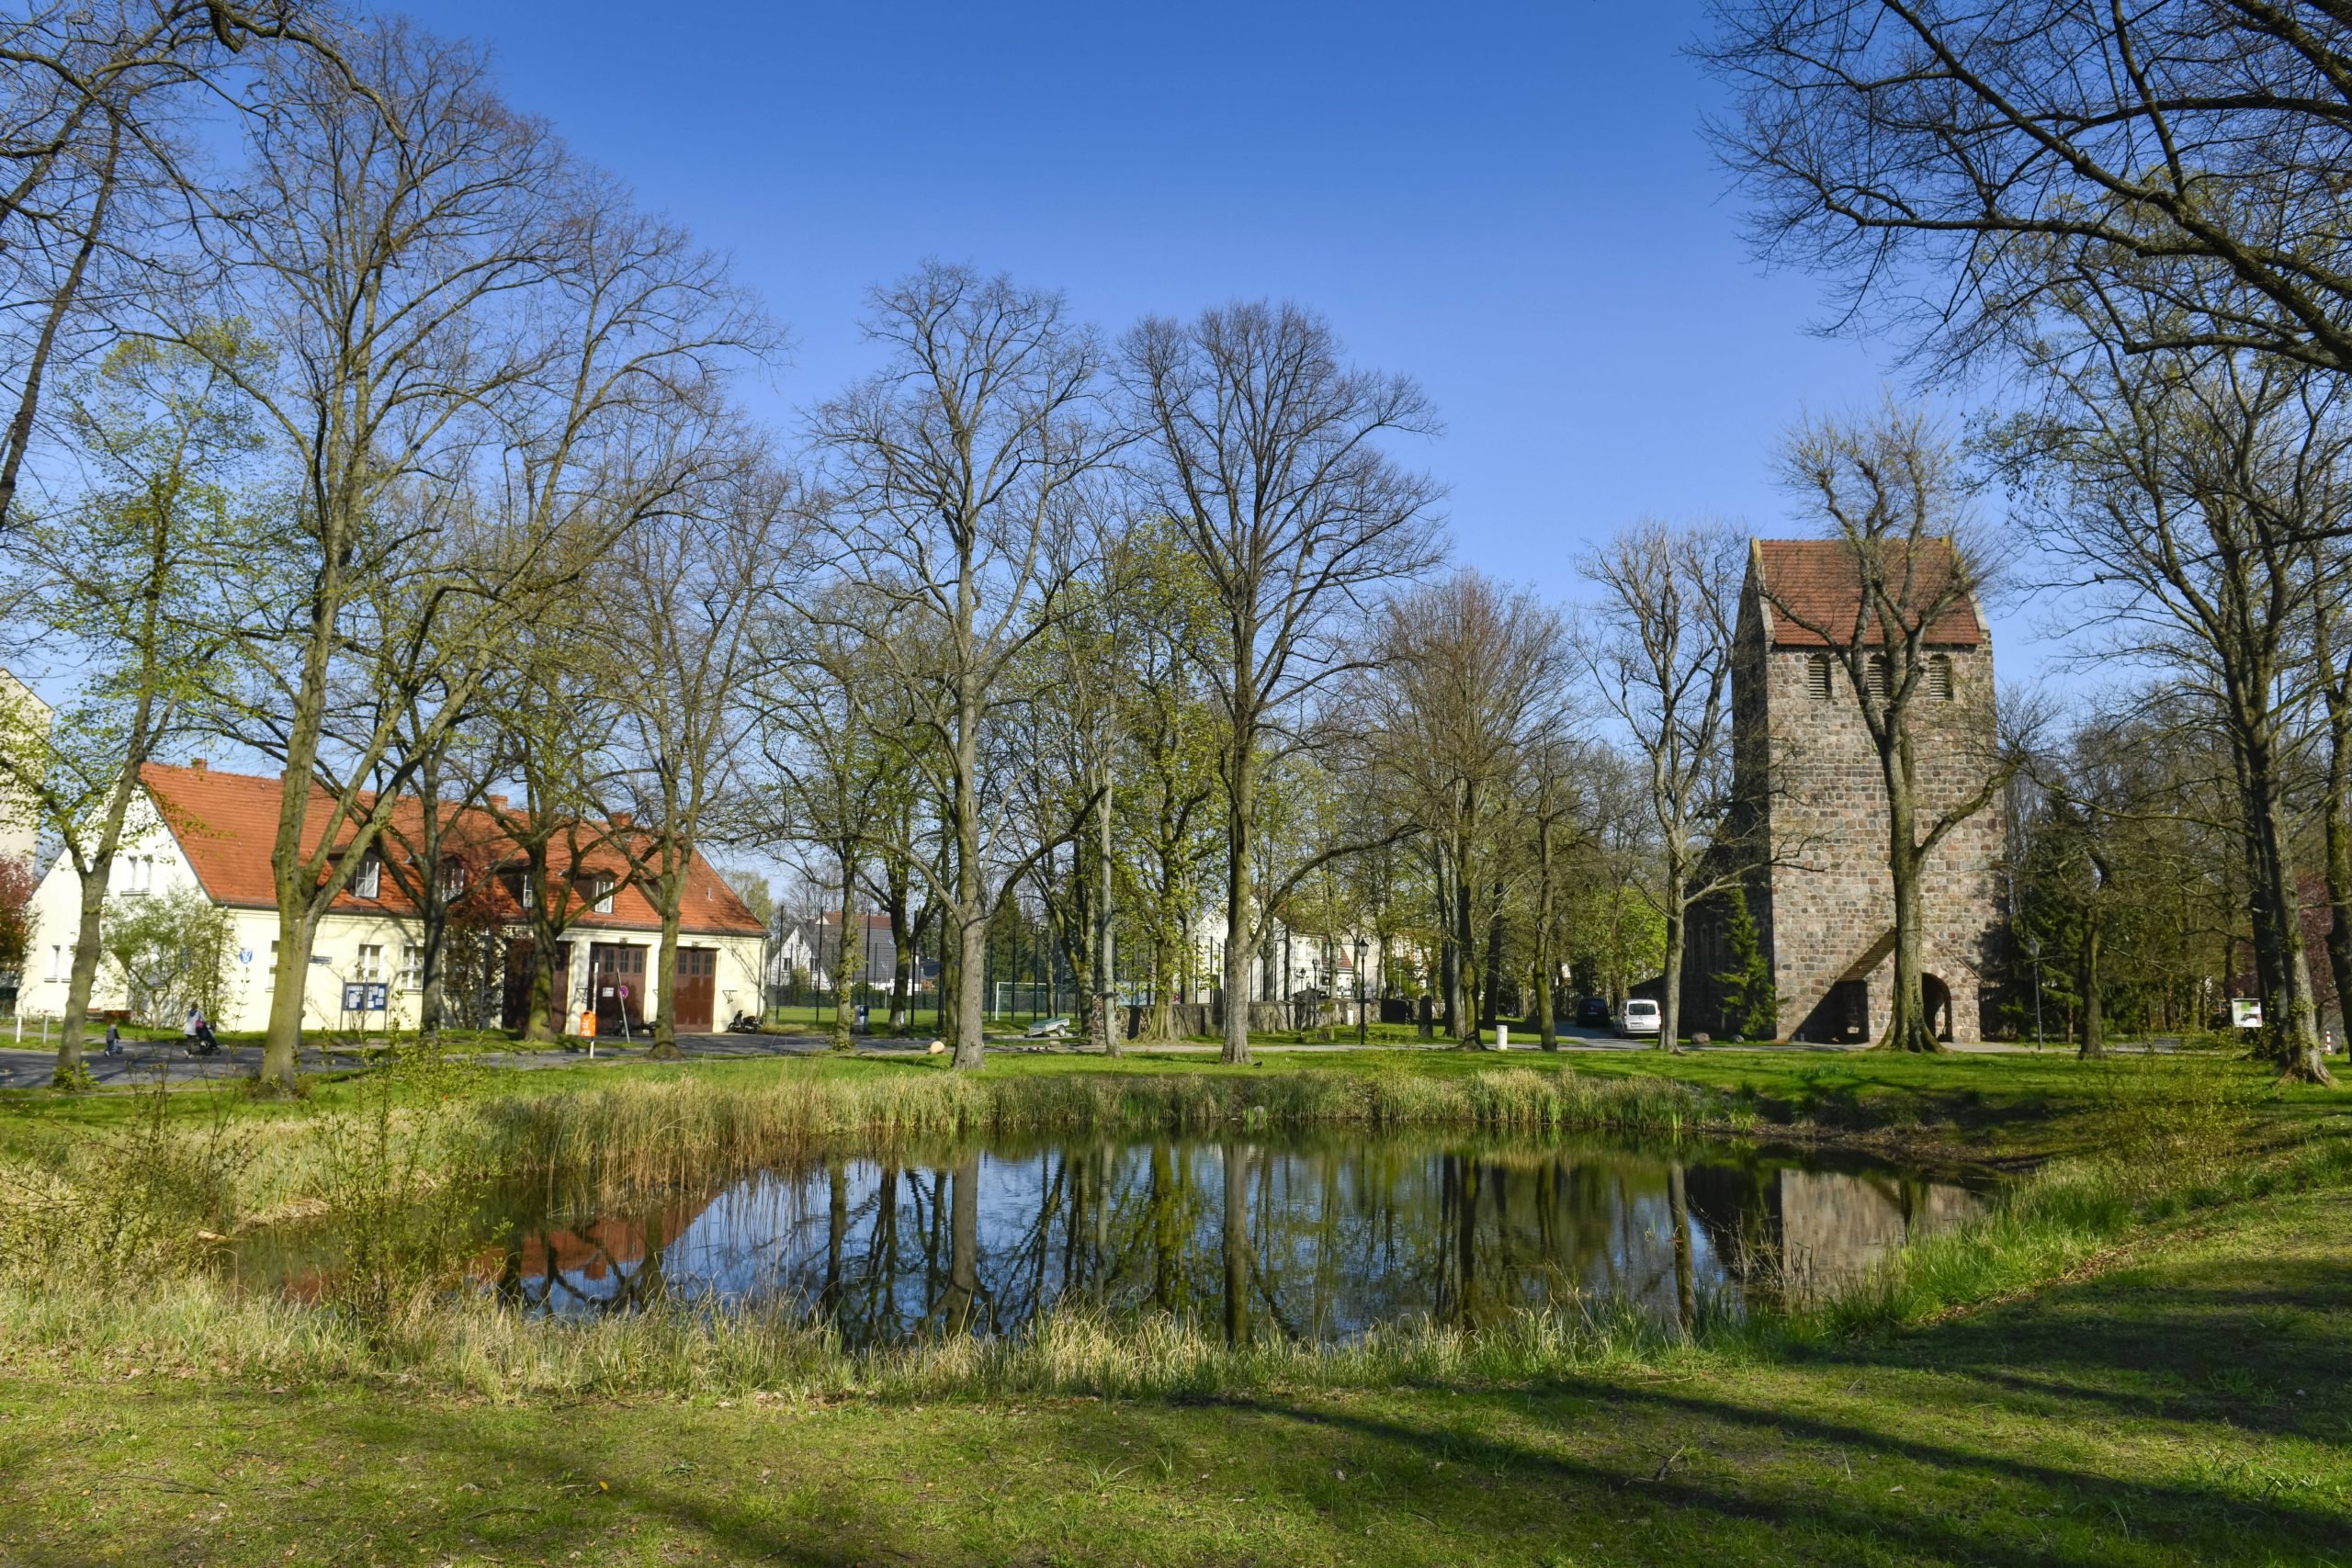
(225, 823)
(1820, 581)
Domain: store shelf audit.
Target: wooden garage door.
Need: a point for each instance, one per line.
(516, 1000)
(617, 985)
(697, 978)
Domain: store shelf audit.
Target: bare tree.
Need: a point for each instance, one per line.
(691, 593)
(94, 101)
(1659, 648)
(1267, 450)
(952, 467)
(1937, 157)
(480, 354)
(2186, 493)
(1889, 489)
(1471, 675)
(826, 688)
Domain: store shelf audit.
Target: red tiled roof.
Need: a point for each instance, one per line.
(1818, 580)
(226, 823)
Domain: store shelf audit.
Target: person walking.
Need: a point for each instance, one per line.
(187, 1030)
(114, 1038)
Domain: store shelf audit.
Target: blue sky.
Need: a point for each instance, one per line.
(1510, 202)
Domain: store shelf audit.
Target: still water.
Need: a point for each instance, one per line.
(1313, 1238)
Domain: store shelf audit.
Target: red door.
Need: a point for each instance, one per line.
(697, 979)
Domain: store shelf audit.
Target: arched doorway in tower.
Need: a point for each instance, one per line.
(1938, 997)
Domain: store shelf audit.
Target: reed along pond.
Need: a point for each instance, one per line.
(1314, 1237)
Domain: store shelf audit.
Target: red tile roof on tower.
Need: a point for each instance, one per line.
(226, 823)
(1819, 582)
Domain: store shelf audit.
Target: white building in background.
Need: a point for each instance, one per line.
(19, 711)
(195, 828)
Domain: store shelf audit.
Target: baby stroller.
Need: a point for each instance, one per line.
(205, 1043)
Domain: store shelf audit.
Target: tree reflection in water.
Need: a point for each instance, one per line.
(1305, 1240)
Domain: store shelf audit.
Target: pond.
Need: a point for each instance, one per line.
(1314, 1237)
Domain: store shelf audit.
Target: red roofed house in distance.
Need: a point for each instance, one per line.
(198, 828)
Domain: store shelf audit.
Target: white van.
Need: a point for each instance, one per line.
(1640, 1017)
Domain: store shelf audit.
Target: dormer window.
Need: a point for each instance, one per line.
(367, 881)
(454, 877)
(1816, 677)
(601, 893)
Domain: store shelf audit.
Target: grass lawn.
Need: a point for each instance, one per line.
(2190, 1403)
(2178, 1392)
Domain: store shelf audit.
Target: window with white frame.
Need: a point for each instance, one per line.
(60, 966)
(411, 966)
(273, 958)
(602, 888)
(371, 961)
(135, 875)
(367, 881)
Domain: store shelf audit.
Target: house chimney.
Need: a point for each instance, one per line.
(498, 803)
(197, 766)
(624, 819)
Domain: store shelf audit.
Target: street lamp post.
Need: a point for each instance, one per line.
(1360, 1018)
(2033, 946)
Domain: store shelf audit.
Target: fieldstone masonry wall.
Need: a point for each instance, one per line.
(1809, 788)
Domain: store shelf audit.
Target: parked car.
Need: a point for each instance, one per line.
(1640, 1017)
(1593, 1012)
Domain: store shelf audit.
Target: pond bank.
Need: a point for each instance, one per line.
(2184, 1403)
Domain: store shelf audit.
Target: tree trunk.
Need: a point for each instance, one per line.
(1669, 1004)
(2335, 812)
(89, 938)
(971, 960)
(1546, 1025)
(665, 1007)
(1462, 995)
(2338, 832)
(1240, 819)
(286, 999)
(970, 914)
(903, 940)
(1109, 1026)
(2289, 1015)
(1906, 1025)
(2087, 980)
(1490, 1011)
(849, 957)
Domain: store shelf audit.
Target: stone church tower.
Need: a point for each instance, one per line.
(1810, 799)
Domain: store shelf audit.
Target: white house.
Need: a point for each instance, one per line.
(197, 828)
(19, 710)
